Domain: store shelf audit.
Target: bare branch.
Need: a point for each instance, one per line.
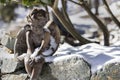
(78, 3)
(55, 4)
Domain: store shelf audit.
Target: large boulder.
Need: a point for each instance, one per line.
(67, 68)
(62, 68)
(108, 72)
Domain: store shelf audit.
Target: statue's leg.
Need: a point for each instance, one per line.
(27, 65)
(37, 68)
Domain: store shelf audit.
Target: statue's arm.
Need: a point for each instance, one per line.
(29, 46)
(44, 44)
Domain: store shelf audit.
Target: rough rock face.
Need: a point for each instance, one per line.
(108, 72)
(10, 66)
(2, 33)
(8, 35)
(0, 68)
(15, 76)
(8, 42)
(67, 68)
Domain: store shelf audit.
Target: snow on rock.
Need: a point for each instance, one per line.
(67, 68)
(95, 54)
(71, 67)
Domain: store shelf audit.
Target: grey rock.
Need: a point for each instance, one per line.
(0, 68)
(108, 72)
(0, 63)
(2, 33)
(62, 68)
(10, 65)
(16, 76)
(5, 53)
(68, 68)
(8, 42)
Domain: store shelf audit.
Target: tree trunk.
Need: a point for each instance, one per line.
(100, 24)
(69, 28)
(96, 3)
(111, 14)
(67, 25)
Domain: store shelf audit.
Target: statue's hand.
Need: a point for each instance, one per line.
(35, 53)
(31, 62)
(32, 56)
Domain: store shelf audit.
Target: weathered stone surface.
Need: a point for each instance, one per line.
(8, 42)
(0, 68)
(16, 76)
(9, 34)
(62, 68)
(2, 33)
(67, 68)
(108, 72)
(10, 65)
(5, 53)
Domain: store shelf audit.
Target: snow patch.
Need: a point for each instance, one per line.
(95, 54)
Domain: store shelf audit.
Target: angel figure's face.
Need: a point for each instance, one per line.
(38, 19)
